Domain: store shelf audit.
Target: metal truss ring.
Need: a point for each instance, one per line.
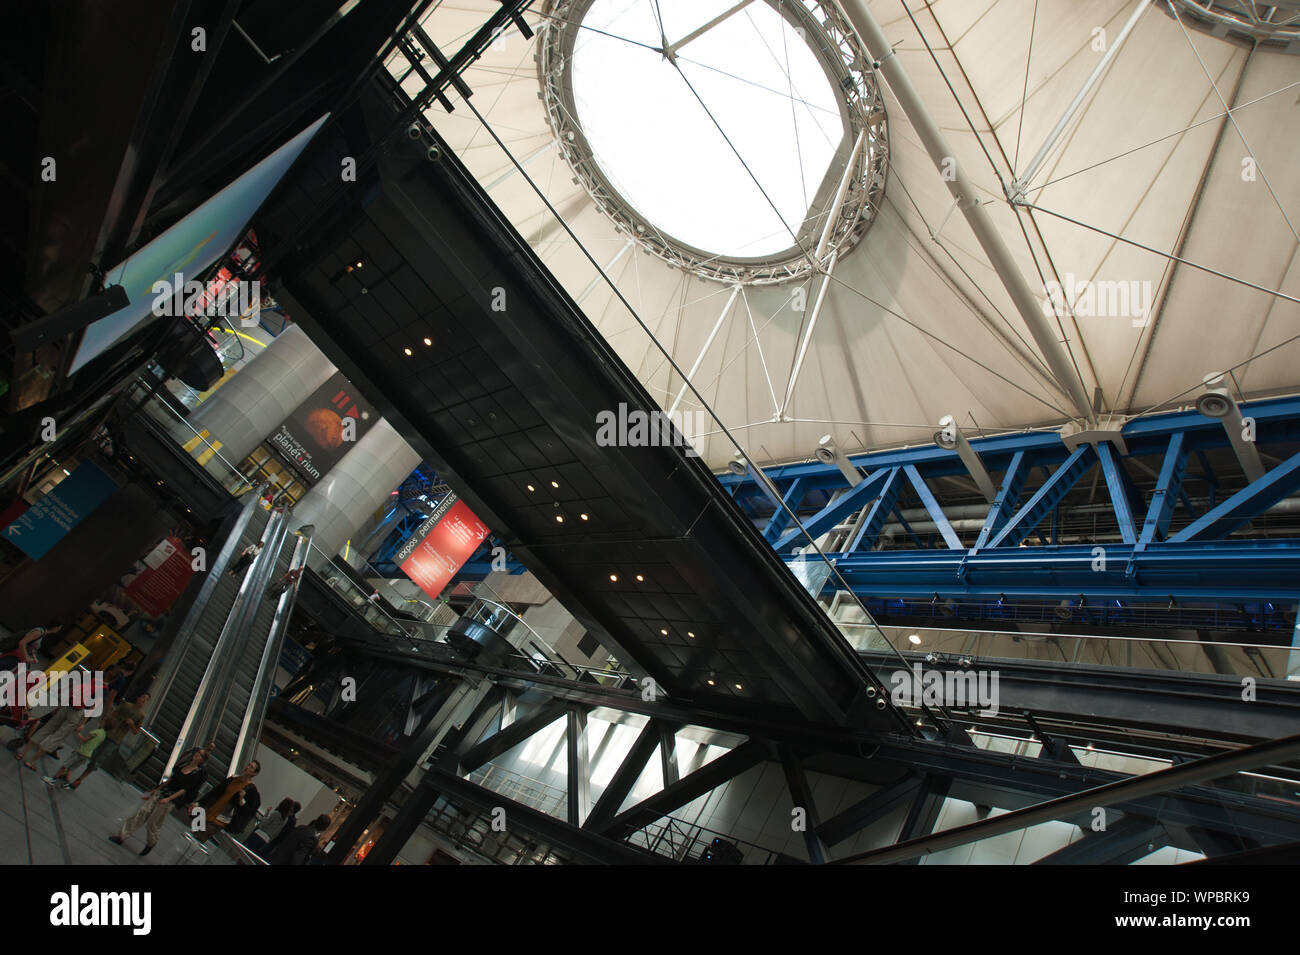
(852, 75)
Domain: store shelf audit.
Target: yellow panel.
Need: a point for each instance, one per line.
(195, 441)
(212, 449)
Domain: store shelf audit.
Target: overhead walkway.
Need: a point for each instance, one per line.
(640, 543)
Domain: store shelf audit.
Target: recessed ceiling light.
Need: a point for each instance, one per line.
(914, 640)
(739, 687)
(613, 578)
(691, 634)
(640, 579)
(555, 484)
(711, 683)
(663, 631)
(531, 489)
(359, 264)
(583, 516)
(407, 352)
(559, 518)
(428, 341)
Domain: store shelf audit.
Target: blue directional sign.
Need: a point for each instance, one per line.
(46, 522)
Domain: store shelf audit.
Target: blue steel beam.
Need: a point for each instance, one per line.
(1248, 503)
(852, 500)
(1276, 419)
(871, 526)
(781, 519)
(1013, 483)
(1212, 571)
(1117, 485)
(1169, 486)
(932, 508)
(1045, 498)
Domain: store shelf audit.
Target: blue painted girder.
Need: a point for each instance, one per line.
(1221, 570)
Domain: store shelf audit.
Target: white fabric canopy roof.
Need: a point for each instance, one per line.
(915, 327)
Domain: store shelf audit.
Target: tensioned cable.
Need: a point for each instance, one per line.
(1064, 339)
(1167, 255)
(1024, 92)
(1232, 119)
(1227, 371)
(935, 236)
(1155, 142)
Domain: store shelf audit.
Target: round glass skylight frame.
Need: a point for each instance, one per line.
(849, 70)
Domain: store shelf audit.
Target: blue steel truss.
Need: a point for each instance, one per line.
(1138, 559)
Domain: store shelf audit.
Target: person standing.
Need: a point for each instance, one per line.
(81, 700)
(301, 844)
(124, 718)
(229, 795)
(246, 557)
(28, 645)
(272, 825)
(85, 752)
(182, 788)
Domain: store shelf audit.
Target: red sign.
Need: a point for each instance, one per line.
(167, 571)
(441, 545)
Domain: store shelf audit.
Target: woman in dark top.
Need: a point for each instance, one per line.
(301, 844)
(183, 788)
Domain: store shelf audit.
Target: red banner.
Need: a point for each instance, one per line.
(167, 571)
(441, 545)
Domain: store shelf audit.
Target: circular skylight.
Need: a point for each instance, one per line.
(720, 149)
(723, 147)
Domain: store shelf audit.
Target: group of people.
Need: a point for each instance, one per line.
(232, 807)
(96, 733)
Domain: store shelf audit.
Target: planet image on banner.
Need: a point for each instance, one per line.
(325, 428)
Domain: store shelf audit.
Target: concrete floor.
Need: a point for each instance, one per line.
(44, 825)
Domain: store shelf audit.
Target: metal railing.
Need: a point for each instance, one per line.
(1182, 656)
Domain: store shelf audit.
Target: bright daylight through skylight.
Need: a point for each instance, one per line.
(656, 143)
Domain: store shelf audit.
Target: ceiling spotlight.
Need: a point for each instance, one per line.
(828, 453)
(613, 578)
(946, 436)
(559, 518)
(1217, 401)
(1062, 610)
(691, 634)
(914, 640)
(711, 683)
(640, 578)
(407, 352)
(739, 687)
(428, 341)
(583, 516)
(555, 484)
(531, 489)
(737, 464)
